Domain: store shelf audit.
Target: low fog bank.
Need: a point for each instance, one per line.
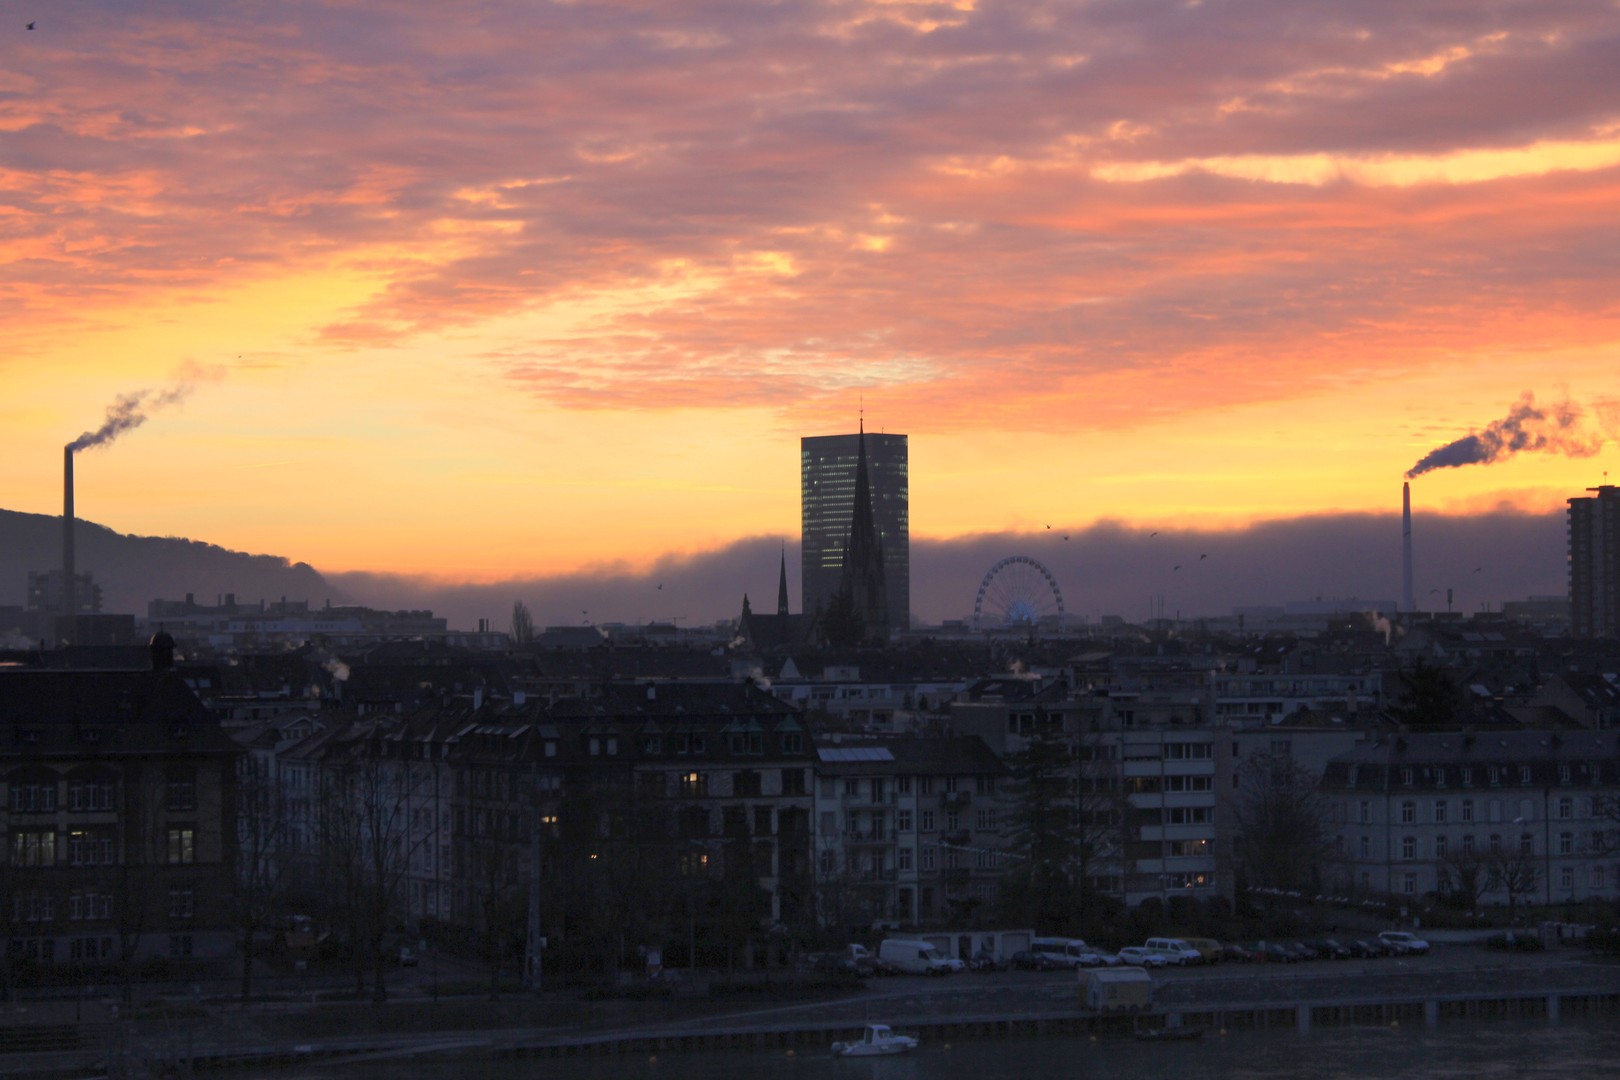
(1105, 569)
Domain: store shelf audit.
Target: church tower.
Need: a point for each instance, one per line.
(862, 583)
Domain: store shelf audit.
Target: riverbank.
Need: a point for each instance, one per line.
(1455, 981)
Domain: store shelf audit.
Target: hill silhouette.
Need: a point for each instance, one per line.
(133, 570)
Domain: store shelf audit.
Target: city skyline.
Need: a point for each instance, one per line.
(550, 293)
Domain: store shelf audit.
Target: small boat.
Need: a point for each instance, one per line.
(875, 1040)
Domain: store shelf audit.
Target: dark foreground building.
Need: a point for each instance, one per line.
(117, 801)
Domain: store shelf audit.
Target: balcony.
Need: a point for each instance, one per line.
(868, 836)
(955, 800)
(955, 837)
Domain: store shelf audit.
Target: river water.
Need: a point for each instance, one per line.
(1464, 1051)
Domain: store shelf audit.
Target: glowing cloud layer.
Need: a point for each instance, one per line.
(1262, 251)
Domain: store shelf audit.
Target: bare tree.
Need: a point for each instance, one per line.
(368, 843)
(522, 625)
(263, 857)
(1515, 873)
(1281, 823)
(1463, 878)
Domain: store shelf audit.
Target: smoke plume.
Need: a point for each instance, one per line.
(131, 410)
(128, 412)
(1553, 429)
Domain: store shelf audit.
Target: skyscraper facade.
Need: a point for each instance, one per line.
(1594, 563)
(827, 468)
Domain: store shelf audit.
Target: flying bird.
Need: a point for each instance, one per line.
(1477, 569)
(660, 584)
(30, 26)
(1049, 528)
(1152, 534)
(1176, 567)
(1201, 558)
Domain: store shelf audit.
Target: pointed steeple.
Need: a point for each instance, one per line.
(863, 576)
(781, 588)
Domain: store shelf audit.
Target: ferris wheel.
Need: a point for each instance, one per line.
(1017, 592)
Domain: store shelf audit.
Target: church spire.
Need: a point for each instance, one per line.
(781, 588)
(863, 576)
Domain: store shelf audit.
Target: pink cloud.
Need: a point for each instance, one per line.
(932, 192)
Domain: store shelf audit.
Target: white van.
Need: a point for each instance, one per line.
(913, 957)
(1070, 952)
(1174, 950)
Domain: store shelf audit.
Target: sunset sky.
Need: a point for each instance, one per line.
(497, 290)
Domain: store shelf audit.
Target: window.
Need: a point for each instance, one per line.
(1408, 812)
(793, 782)
(32, 907)
(1563, 774)
(1468, 776)
(792, 742)
(927, 818)
(987, 821)
(1366, 812)
(89, 849)
(1406, 776)
(182, 904)
(695, 785)
(1496, 844)
(179, 945)
(1566, 843)
(33, 847)
(180, 793)
(1366, 847)
(747, 742)
(1566, 806)
(1524, 774)
(902, 784)
(182, 845)
(1468, 809)
(925, 785)
(1409, 883)
(89, 796)
(1566, 879)
(953, 821)
(1527, 844)
(1468, 844)
(1408, 847)
(33, 798)
(927, 859)
(1440, 847)
(82, 905)
(1597, 877)
(985, 785)
(902, 821)
(1440, 811)
(903, 858)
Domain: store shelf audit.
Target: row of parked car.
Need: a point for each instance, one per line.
(1051, 954)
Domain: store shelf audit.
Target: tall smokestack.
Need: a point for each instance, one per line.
(69, 605)
(1406, 549)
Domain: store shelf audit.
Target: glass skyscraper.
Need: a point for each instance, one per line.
(827, 505)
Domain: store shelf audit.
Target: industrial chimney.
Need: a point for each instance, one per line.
(1407, 605)
(69, 581)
